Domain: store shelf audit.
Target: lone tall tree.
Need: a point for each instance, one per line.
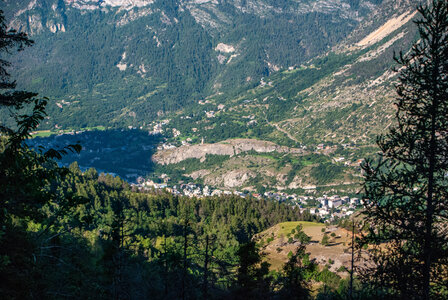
(407, 191)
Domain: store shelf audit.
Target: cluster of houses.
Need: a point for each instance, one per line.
(187, 189)
(326, 207)
(157, 127)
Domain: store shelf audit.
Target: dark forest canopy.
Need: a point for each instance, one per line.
(121, 242)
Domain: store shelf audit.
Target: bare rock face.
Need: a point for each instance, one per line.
(35, 24)
(199, 174)
(173, 156)
(228, 147)
(221, 47)
(90, 4)
(236, 178)
(230, 179)
(244, 145)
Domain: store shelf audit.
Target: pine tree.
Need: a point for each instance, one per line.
(295, 285)
(406, 191)
(252, 279)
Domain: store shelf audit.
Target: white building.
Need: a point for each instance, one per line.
(334, 203)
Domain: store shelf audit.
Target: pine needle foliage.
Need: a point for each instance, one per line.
(406, 190)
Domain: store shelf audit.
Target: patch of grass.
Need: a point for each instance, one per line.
(47, 133)
(286, 227)
(42, 133)
(99, 128)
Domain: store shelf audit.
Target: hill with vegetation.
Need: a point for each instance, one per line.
(133, 62)
(308, 75)
(115, 241)
(333, 106)
(283, 239)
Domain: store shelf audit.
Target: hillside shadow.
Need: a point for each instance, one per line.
(126, 153)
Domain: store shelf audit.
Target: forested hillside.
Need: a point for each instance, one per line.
(132, 63)
(117, 242)
(297, 73)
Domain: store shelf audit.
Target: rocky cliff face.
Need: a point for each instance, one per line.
(98, 4)
(232, 179)
(228, 147)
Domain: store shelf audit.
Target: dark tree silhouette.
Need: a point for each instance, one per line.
(252, 280)
(26, 176)
(9, 40)
(295, 285)
(23, 171)
(406, 191)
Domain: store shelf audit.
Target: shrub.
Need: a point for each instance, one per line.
(342, 269)
(325, 240)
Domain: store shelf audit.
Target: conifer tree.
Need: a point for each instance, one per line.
(325, 239)
(295, 285)
(406, 191)
(252, 279)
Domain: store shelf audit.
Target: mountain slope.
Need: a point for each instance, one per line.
(333, 106)
(343, 96)
(131, 61)
(309, 75)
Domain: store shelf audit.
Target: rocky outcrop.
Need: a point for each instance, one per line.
(90, 4)
(198, 174)
(230, 179)
(228, 147)
(173, 156)
(221, 47)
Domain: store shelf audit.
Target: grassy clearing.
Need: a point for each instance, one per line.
(286, 227)
(42, 133)
(99, 128)
(47, 133)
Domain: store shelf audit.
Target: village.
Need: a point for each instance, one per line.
(327, 208)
